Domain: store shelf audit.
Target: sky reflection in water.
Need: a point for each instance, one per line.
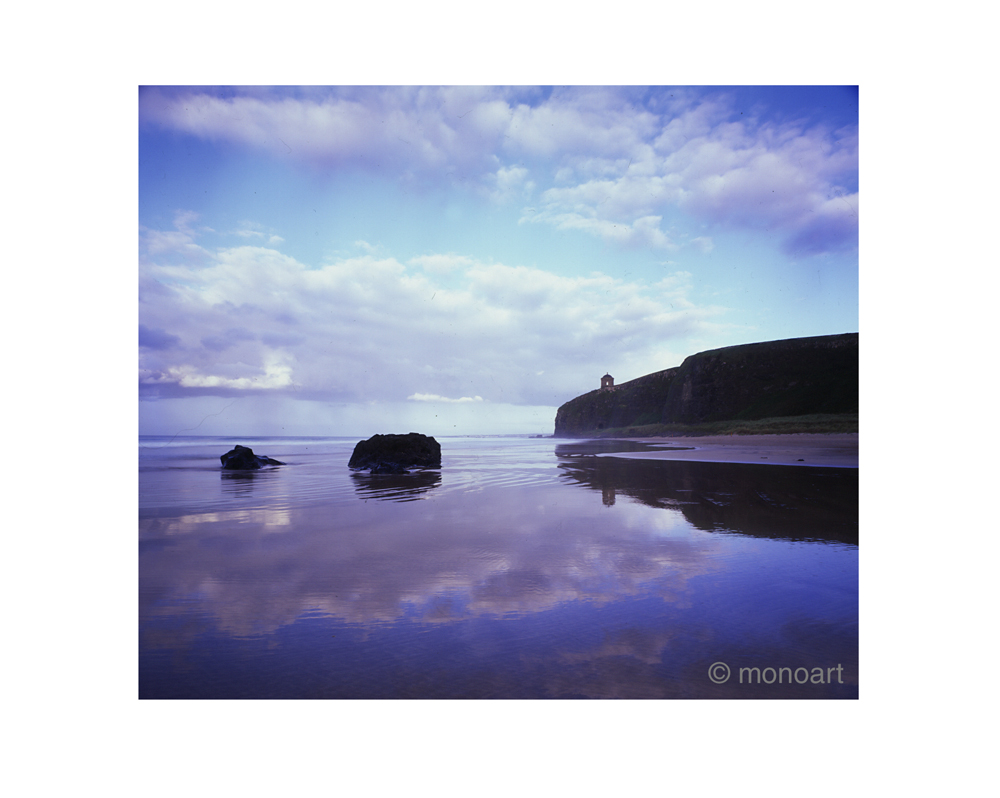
(509, 572)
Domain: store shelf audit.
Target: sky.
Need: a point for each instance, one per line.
(462, 260)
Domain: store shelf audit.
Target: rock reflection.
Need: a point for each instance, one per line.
(242, 483)
(395, 487)
(783, 502)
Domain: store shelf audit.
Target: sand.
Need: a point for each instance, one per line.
(838, 450)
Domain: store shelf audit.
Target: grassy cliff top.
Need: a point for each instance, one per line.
(789, 425)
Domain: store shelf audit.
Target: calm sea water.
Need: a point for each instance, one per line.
(523, 568)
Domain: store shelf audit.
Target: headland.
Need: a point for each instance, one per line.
(787, 387)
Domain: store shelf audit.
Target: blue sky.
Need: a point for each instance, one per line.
(458, 260)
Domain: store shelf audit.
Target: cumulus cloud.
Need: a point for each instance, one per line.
(510, 183)
(444, 328)
(703, 243)
(272, 375)
(179, 244)
(255, 231)
(830, 227)
(176, 242)
(609, 162)
(642, 232)
(398, 129)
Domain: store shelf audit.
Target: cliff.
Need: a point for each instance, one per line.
(639, 401)
(794, 377)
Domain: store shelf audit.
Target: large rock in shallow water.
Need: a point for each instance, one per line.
(242, 458)
(393, 454)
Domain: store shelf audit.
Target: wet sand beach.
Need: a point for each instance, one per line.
(838, 450)
(520, 569)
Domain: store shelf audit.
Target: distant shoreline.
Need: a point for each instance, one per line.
(832, 450)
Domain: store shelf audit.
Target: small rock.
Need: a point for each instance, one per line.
(242, 458)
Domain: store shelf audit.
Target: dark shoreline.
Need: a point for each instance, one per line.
(802, 449)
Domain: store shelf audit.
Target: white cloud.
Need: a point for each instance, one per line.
(254, 230)
(371, 328)
(703, 243)
(276, 373)
(511, 182)
(642, 232)
(184, 219)
(605, 160)
(156, 242)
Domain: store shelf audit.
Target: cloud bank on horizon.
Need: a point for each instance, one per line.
(346, 260)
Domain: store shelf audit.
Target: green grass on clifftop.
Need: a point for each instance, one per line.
(788, 425)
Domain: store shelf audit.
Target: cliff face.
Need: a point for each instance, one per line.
(639, 401)
(794, 377)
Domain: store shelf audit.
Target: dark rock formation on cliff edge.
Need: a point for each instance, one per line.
(793, 377)
(242, 458)
(394, 454)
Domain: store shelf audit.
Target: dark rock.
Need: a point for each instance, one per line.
(242, 458)
(394, 454)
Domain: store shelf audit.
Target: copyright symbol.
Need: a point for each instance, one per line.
(718, 672)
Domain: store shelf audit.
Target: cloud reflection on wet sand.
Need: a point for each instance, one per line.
(569, 576)
(499, 553)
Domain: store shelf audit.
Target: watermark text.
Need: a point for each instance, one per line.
(720, 673)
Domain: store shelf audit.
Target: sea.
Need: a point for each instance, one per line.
(524, 568)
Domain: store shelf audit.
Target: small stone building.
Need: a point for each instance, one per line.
(607, 381)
